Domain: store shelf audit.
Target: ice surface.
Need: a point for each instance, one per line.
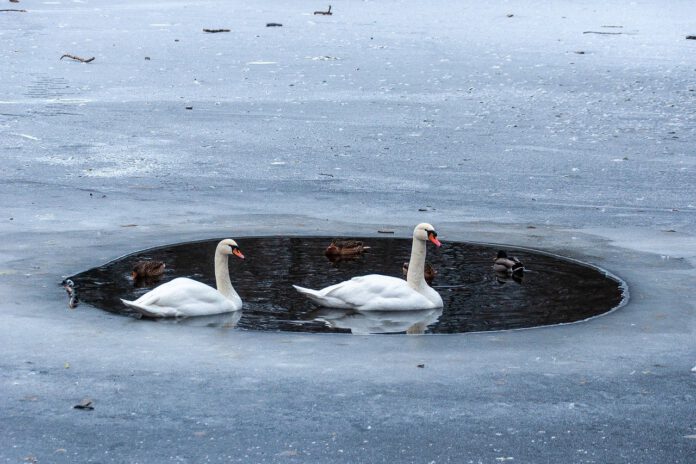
(492, 123)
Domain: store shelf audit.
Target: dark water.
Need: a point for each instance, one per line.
(552, 290)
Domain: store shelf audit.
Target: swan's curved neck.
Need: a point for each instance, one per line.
(416, 264)
(222, 277)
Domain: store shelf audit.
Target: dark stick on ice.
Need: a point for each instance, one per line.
(691, 37)
(87, 404)
(77, 58)
(214, 31)
(13, 9)
(326, 13)
(602, 32)
(274, 25)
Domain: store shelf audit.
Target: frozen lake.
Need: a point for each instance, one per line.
(567, 127)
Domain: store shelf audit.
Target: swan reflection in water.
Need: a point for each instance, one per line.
(223, 320)
(412, 322)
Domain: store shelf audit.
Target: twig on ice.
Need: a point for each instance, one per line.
(77, 58)
(325, 13)
(602, 32)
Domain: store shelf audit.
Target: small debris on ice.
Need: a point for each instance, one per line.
(26, 136)
(325, 13)
(77, 58)
(85, 404)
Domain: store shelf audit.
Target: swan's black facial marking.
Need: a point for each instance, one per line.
(432, 236)
(236, 251)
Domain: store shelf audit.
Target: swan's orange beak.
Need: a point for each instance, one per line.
(432, 236)
(238, 253)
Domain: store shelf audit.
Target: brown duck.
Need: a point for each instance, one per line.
(429, 272)
(146, 270)
(345, 248)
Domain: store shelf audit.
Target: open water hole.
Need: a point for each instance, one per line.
(553, 290)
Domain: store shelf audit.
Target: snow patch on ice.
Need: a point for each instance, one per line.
(648, 241)
(58, 161)
(136, 169)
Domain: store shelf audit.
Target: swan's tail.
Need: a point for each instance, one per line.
(323, 297)
(313, 295)
(139, 309)
(306, 291)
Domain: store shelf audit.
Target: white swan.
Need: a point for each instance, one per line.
(376, 292)
(184, 297)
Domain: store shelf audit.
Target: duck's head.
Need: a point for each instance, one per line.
(230, 247)
(501, 254)
(426, 232)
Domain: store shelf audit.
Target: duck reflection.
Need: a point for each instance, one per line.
(503, 277)
(412, 322)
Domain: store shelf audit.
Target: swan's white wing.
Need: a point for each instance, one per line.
(372, 292)
(183, 297)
